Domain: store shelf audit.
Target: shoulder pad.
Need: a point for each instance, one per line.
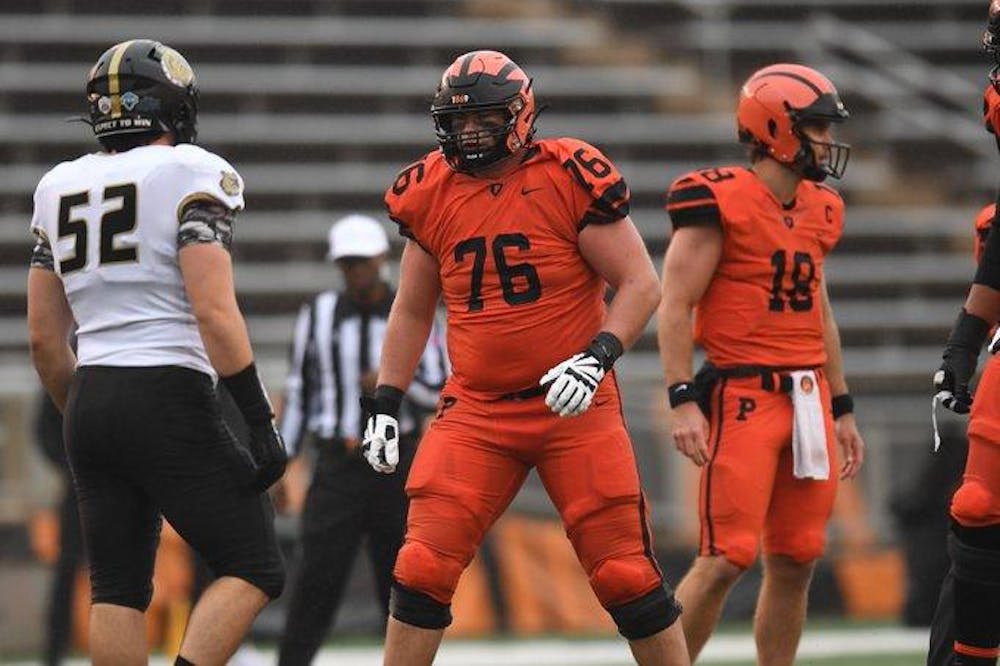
(692, 200)
(405, 198)
(598, 176)
(209, 174)
(984, 218)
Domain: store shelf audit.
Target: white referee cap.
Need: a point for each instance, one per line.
(357, 236)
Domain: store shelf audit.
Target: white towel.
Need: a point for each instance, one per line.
(809, 457)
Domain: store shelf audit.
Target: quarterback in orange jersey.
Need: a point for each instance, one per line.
(521, 238)
(762, 416)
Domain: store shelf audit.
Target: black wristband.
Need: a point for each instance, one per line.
(968, 334)
(385, 400)
(606, 348)
(681, 392)
(249, 395)
(842, 404)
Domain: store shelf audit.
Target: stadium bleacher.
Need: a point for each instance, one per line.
(319, 102)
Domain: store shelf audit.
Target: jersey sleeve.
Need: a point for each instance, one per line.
(691, 201)
(42, 254)
(602, 196)
(405, 200)
(202, 175)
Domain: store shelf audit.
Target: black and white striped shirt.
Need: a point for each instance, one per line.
(336, 342)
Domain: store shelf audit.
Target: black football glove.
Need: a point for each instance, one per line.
(961, 356)
(266, 459)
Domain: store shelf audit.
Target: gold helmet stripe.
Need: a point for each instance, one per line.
(113, 84)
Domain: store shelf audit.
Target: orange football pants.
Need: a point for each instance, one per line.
(976, 503)
(474, 458)
(747, 489)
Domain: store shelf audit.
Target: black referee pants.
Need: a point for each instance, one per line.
(346, 501)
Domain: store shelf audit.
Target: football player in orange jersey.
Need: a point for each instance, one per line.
(968, 614)
(746, 258)
(520, 237)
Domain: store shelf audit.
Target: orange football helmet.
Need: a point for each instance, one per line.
(774, 104)
(482, 81)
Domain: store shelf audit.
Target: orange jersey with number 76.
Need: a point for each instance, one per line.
(519, 296)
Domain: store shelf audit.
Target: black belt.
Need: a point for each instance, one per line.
(525, 394)
(772, 378)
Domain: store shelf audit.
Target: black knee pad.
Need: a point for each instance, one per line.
(418, 609)
(649, 614)
(972, 563)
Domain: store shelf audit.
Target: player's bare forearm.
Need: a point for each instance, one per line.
(688, 269)
(675, 340)
(405, 338)
(411, 317)
(227, 343)
(55, 368)
(633, 304)
(49, 323)
(834, 367)
(616, 252)
(208, 279)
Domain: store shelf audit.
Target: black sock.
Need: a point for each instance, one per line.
(977, 623)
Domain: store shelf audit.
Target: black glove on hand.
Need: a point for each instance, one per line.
(267, 456)
(961, 355)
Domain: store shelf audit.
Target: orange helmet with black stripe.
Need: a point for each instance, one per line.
(776, 102)
(480, 82)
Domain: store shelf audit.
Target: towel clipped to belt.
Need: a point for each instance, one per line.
(809, 453)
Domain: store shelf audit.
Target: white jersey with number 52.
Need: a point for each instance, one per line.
(112, 223)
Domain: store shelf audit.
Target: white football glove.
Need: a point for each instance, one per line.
(381, 443)
(574, 382)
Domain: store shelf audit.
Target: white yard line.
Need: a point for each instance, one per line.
(721, 649)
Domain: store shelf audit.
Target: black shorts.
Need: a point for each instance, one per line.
(148, 441)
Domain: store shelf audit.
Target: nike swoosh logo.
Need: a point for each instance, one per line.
(525, 190)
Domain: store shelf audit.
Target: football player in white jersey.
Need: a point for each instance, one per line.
(132, 243)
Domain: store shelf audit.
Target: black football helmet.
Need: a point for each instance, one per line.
(482, 81)
(142, 87)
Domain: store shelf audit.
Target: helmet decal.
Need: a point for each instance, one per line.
(176, 67)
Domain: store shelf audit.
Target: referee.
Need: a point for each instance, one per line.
(334, 359)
